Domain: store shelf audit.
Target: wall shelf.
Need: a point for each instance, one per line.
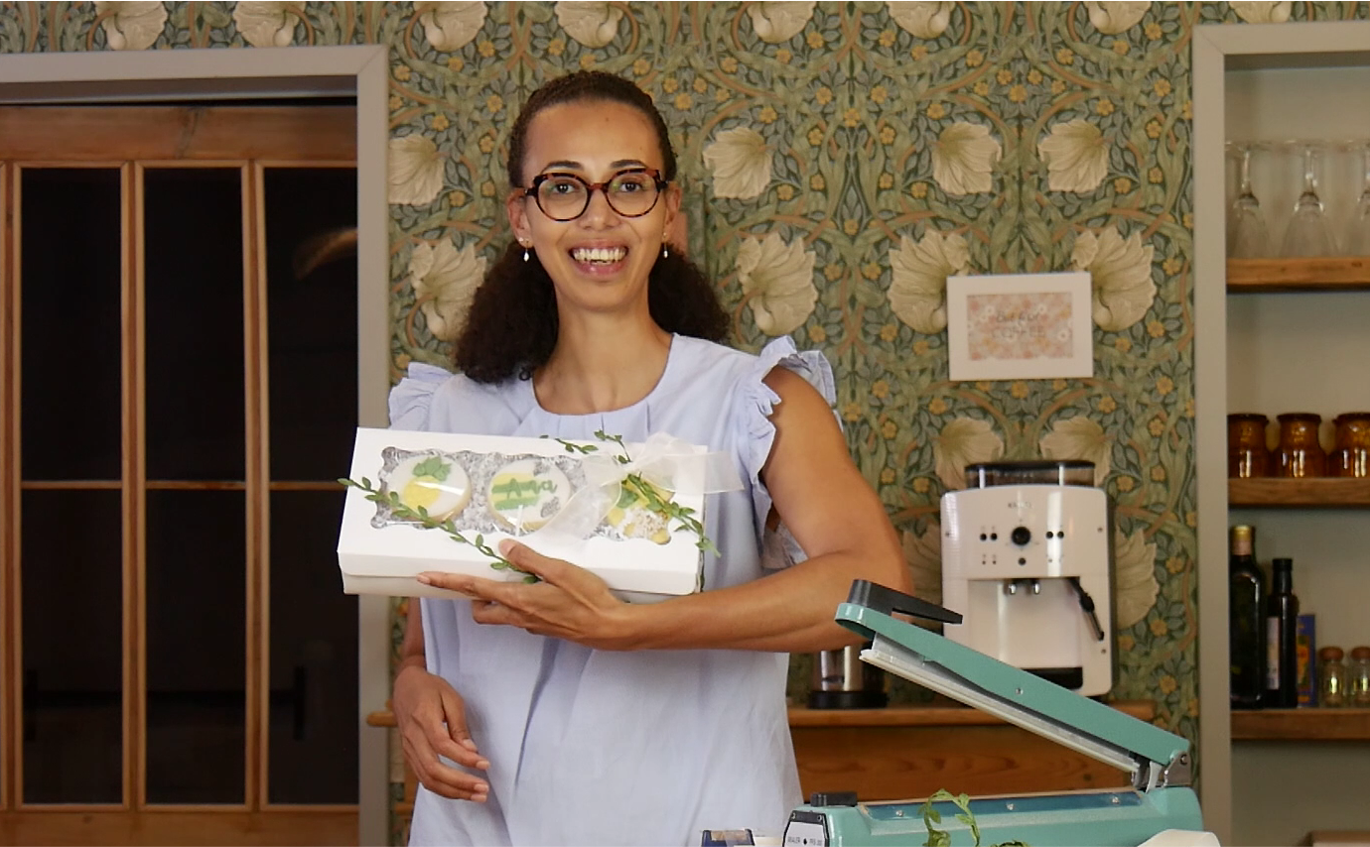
(1317, 273)
(1301, 725)
(1325, 492)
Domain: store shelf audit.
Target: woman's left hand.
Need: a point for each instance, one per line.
(569, 602)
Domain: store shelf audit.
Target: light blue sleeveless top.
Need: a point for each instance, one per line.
(602, 747)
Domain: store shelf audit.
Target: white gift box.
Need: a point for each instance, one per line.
(563, 499)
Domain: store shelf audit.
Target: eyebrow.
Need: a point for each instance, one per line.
(577, 166)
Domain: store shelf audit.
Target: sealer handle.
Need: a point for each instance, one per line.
(881, 599)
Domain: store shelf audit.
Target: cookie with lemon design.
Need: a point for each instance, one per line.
(432, 483)
(527, 493)
(633, 516)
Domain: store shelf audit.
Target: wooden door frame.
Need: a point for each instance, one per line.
(223, 74)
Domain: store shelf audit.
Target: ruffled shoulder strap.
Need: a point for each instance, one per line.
(758, 435)
(411, 400)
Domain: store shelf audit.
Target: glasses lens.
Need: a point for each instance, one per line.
(562, 197)
(632, 193)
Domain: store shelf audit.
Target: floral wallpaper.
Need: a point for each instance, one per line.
(840, 160)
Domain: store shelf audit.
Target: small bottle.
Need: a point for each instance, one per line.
(1358, 678)
(1246, 631)
(1331, 678)
(1281, 638)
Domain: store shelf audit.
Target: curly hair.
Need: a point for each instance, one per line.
(512, 326)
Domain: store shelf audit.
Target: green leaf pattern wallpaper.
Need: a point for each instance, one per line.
(839, 161)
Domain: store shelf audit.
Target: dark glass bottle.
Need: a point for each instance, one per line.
(1246, 633)
(1282, 622)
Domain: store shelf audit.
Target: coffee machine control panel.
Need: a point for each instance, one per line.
(1007, 532)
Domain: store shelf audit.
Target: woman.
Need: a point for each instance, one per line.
(554, 713)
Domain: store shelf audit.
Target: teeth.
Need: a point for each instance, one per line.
(607, 255)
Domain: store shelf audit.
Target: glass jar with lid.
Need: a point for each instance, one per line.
(1331, 677)
(1247, 453)
(1300, 452)
(1358, 678)
(1351, 455)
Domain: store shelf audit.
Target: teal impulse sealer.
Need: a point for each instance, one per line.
(1159, 762)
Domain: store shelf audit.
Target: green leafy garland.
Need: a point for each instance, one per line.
(434, 467)
(421, 516)
(940, 838)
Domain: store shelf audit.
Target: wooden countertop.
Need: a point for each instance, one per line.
(801, 716)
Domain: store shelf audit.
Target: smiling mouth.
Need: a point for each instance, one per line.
(599, 255)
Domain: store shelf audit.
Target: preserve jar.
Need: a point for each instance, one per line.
(1358, 678)
(1331, 678)
(1247, 453)
(1299, 453)
(1351, 456)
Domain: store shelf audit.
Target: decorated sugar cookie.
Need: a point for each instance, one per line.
(527, 493)
(436, 484)
(632, 516)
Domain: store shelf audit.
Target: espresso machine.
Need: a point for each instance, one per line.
(1027, 560)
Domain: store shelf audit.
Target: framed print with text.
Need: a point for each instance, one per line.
(1020, 326)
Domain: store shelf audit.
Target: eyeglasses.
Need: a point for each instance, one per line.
(565, 197)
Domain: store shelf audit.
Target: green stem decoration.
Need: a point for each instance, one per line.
(421, 516)
(940, 838)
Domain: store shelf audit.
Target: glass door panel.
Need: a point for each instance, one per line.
(313, 721)
(70, 254)
(72, 635)
(311, 273)
(196, 646)
(193, 313)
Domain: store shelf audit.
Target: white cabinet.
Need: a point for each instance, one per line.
(1276, 336)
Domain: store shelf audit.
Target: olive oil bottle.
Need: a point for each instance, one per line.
(1282, 657)
(1247, 630)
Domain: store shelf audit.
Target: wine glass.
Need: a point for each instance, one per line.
(1358, 228)
(1308, 233)
(1246, 232)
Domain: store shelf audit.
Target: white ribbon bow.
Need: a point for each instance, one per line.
(663, 460)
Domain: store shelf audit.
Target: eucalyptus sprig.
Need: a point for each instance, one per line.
(572, 447)
(656, 503)
(391, 499)
(940, 838)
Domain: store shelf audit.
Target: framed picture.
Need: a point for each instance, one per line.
(1020, 326)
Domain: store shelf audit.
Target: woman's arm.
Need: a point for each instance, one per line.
(820, 495)
(431, 717)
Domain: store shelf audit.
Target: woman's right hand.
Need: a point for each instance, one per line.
(432, 721)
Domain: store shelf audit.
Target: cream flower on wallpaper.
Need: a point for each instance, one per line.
(416, 170)
(1262, 13)
(445, 280)
(740, 163)
(1079, 437)
(778, 281)
(918, 278)
(1134, 578)
(1115, 17)
(964, 441)
(592, 24)
(131, 26)
(780, 21)
(925, 20)
(450, 26)
(1121, 276)
(923, 554)
(963, 157)
(1076, 156)
(266, 24)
